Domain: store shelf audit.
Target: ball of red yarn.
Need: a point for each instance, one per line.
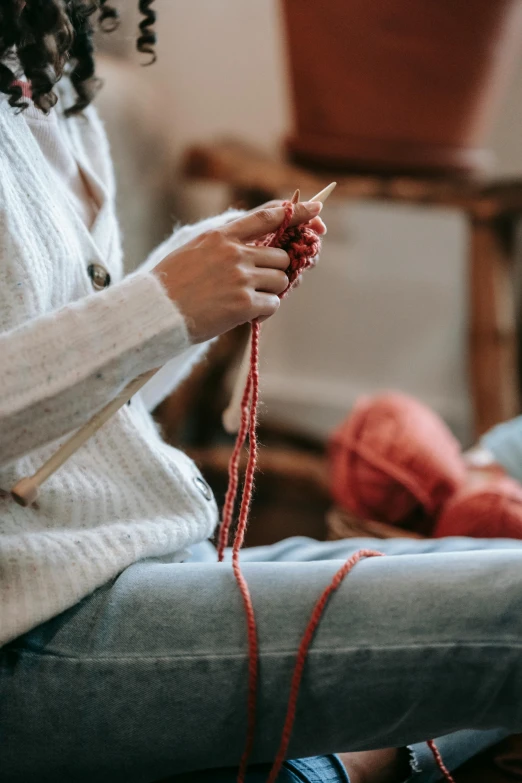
(491, 511)
(393, 457)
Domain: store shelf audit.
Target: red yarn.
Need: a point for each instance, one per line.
(392, 458)
(490, 511)
(26, 87)
(303, 651)
(438, 760)
(302, 245)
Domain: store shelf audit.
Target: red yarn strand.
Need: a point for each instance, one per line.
(253, 653)
(303, 651)
(252, 439)
(233, 471)
(438, 760)
(253, 663)
(302, 245)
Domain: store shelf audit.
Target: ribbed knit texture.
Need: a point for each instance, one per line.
(48, 133)
(65, 352)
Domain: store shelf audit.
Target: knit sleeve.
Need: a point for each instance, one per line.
(60, 368)
(178, 368)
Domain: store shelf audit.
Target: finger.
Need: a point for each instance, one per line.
(270, 281)
(316, 223)
(318, 226)
(270, 258)
(264, 305)
(264, 221)
(270, 204)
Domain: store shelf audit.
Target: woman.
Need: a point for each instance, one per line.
(122, 641)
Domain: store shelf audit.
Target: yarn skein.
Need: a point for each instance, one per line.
(491, 511)
(393, 458)
(302, 245)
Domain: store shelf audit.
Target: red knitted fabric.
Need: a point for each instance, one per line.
(302, 245)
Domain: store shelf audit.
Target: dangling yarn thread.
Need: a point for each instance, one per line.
(302, 245)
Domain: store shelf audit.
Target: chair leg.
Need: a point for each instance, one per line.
(492, 335)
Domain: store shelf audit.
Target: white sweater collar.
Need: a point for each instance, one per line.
(98, 239)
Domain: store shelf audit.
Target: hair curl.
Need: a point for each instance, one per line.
(41, 37)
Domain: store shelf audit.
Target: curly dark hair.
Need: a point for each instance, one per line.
(41, 38)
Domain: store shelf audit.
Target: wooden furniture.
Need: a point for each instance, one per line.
(492, 209)
(341, 524)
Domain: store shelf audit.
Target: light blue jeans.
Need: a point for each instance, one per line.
(147, 677)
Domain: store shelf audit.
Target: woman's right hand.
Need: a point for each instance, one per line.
(219, 281)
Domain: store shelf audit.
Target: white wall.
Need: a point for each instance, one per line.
(506, 138)
(221, 70)
(387, 306)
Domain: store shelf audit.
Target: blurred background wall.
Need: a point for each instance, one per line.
(387, 305)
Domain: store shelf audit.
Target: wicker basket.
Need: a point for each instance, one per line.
(342, 524)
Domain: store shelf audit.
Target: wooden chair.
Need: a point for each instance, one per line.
(492, 209)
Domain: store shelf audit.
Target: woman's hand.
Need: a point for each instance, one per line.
(219, 281)
(316, 223)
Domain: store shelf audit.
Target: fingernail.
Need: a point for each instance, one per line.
(313, 207)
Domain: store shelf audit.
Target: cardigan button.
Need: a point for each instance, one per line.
(100, 278)
(203, 487)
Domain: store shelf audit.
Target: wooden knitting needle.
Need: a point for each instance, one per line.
(25, 491)
(231, 418)
(324, 193)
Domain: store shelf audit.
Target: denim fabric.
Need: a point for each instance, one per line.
(318, 769)
(148, 676)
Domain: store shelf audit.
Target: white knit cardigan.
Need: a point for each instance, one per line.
(65, 351)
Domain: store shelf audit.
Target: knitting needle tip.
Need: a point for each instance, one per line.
(295, 198)
(323, 194)
(25, 492)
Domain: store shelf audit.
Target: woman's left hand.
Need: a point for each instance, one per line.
(316, 223)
